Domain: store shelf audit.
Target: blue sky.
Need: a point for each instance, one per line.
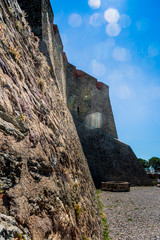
(118, 42)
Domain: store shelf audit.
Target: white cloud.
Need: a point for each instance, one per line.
(125, 21)
(124, 92)
(142, 25)
(127, 73)
(114, 76)
(153, 50)
(111, 15)
(96, 20)
(110, 42)
(98, 69)
(103, 50)
(121, 54)
(113, 29)
(94, 3)
(119, 4)
(75, 20)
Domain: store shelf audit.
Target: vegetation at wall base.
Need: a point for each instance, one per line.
(104, 220)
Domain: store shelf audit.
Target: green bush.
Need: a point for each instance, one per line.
(155, 163)
(144, 163)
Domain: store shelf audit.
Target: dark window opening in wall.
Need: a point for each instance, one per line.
(78, 110)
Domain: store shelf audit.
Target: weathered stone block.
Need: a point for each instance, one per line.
(115, 186)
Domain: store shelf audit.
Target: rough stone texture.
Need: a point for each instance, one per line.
(109, 159)
(46, 183)
(83, 91)
(60, 61)
(88, 100)
(40, 16)
(115, 186)
(33, 10)
(9, 229)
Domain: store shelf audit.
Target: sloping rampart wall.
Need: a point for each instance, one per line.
(88, 101)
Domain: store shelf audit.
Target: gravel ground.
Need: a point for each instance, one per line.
(133, 215)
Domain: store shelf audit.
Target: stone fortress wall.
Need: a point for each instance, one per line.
(46, 187)
(40, 16)
(87, 99)
(89, 103)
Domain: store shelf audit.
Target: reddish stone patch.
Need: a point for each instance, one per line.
(64, 57)
(99, 85)
(78, 73)
(55, 28)
(1, 196)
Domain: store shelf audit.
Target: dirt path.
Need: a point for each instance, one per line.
(133, 215)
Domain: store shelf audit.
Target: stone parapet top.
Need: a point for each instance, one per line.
(101, 85)
(81, 74)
